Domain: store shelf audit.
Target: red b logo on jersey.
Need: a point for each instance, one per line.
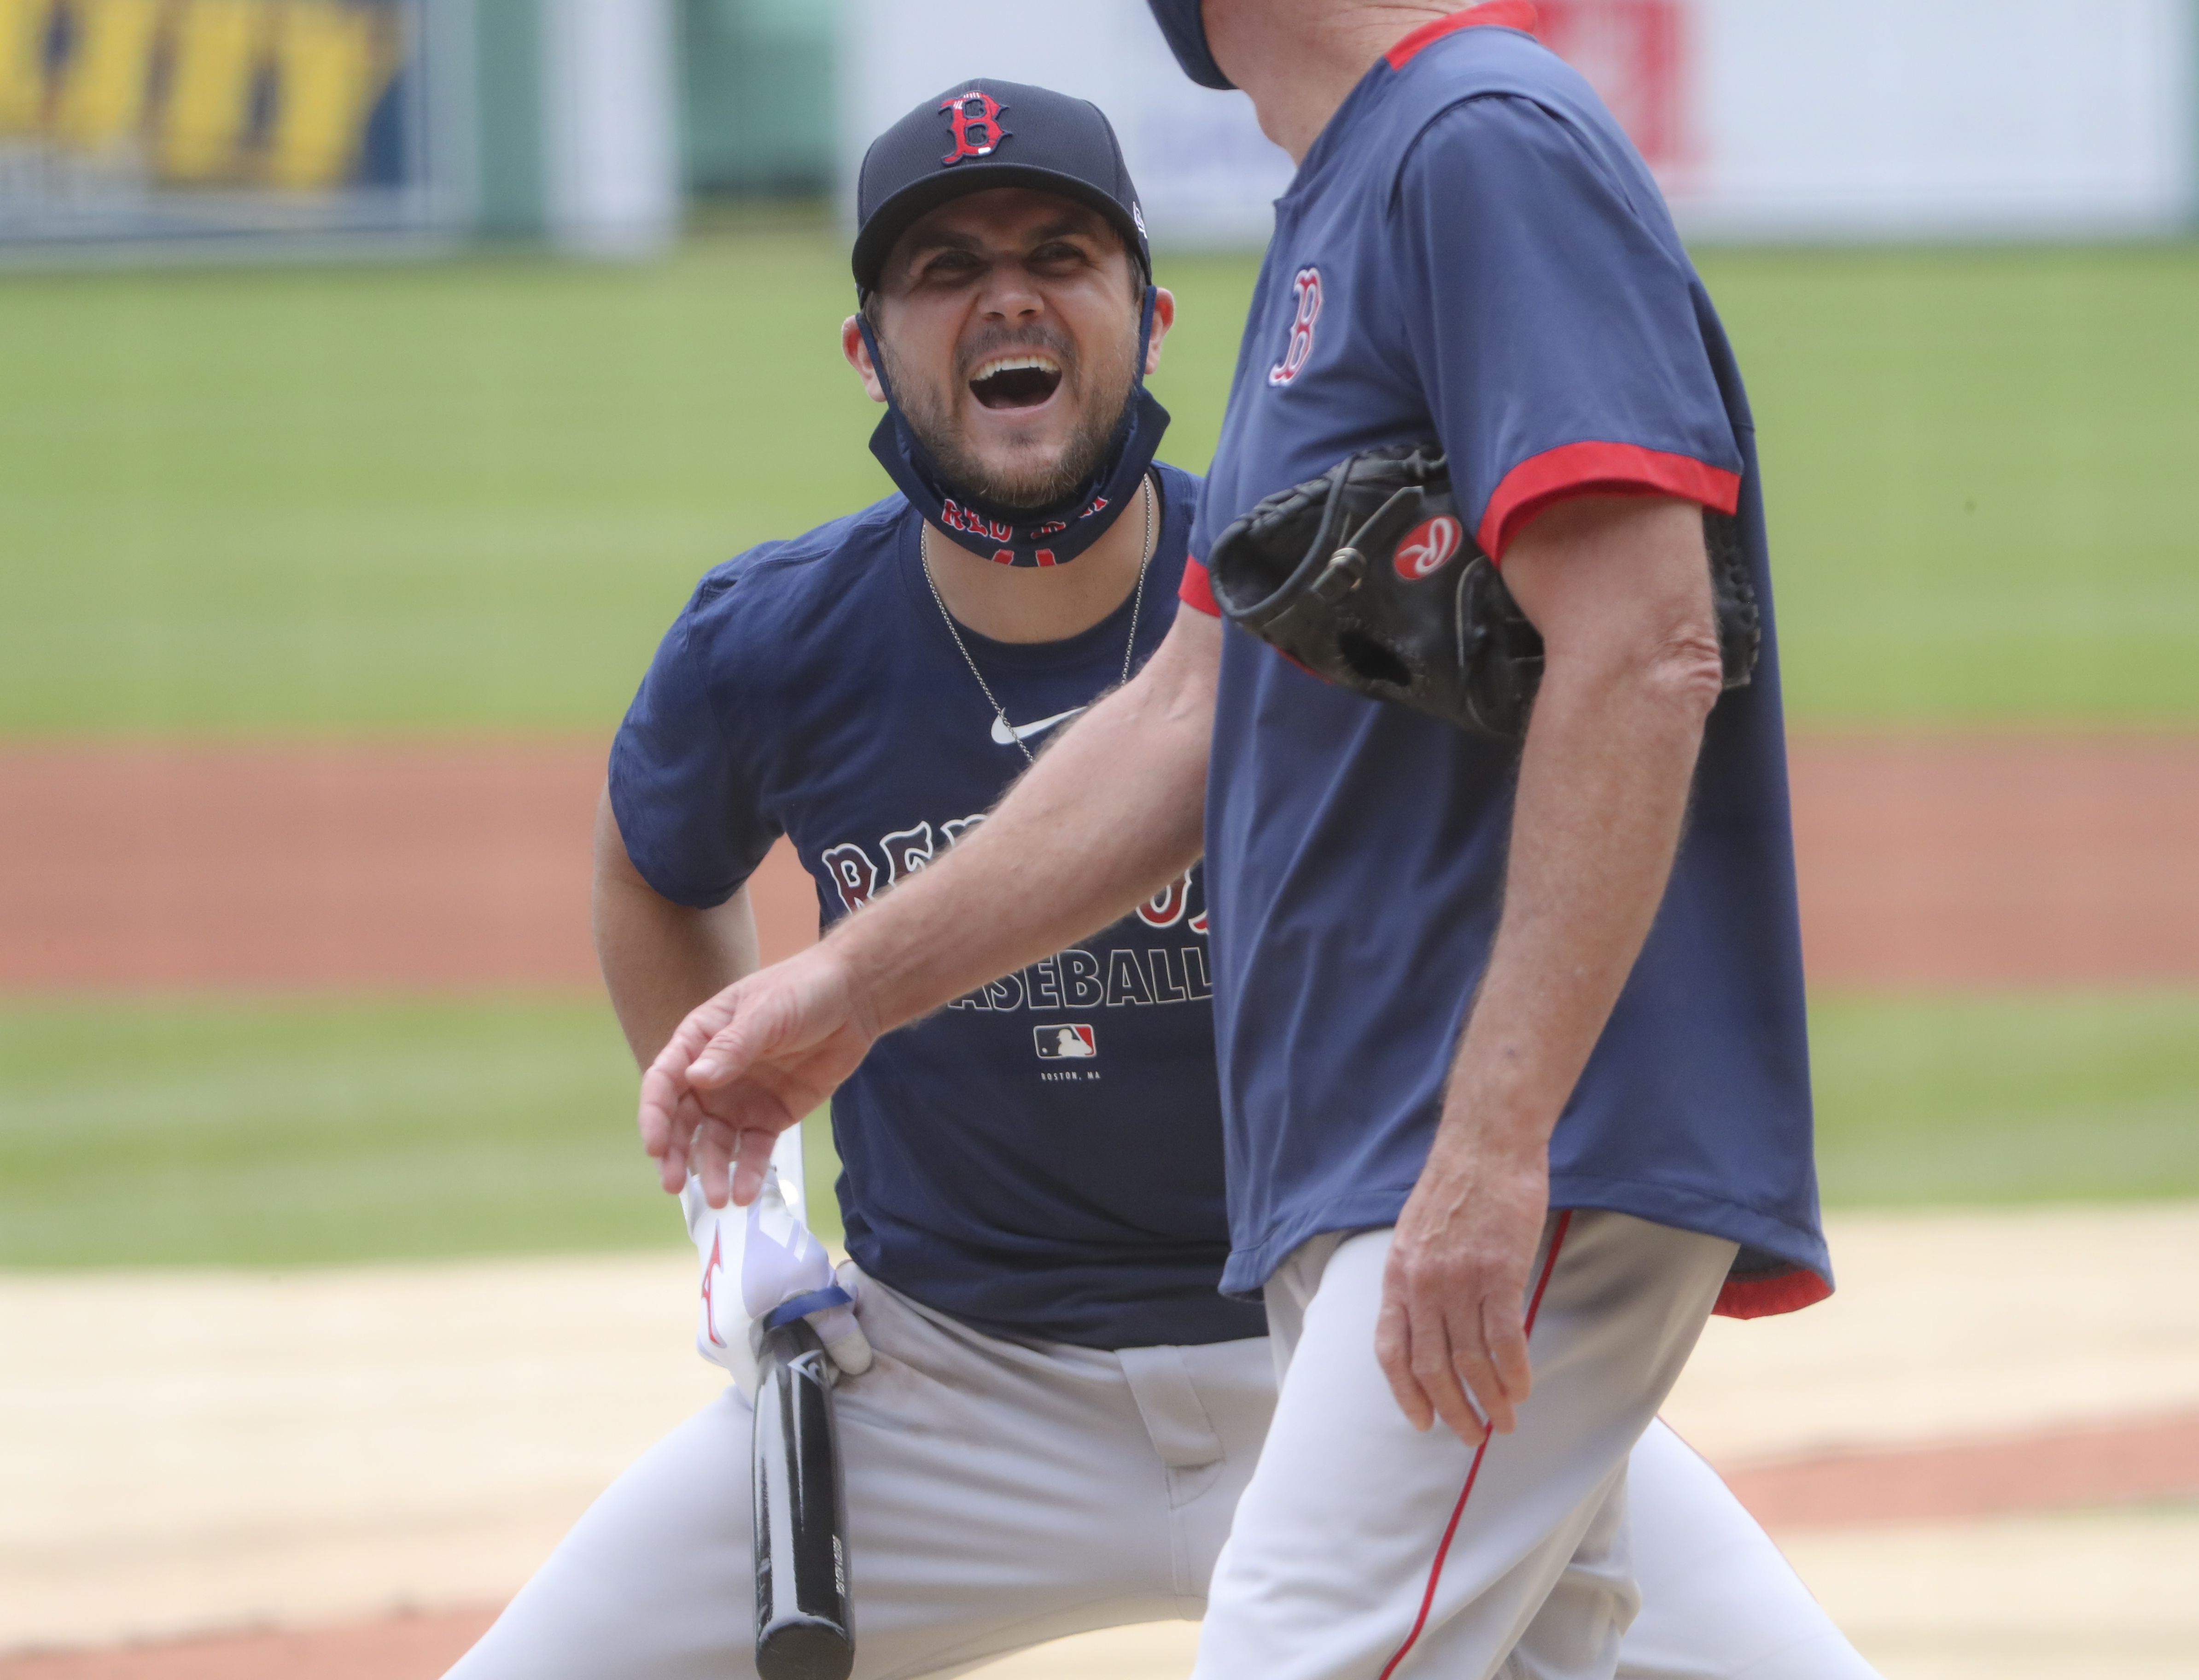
(1307, 285)
(976, 133)
(1427, 546)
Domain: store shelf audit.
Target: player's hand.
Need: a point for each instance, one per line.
(1452, 1328)
(747, 1065)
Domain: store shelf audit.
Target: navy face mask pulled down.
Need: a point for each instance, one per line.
(1052, 536)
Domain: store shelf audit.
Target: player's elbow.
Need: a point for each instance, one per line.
(1663, 667)
(1682, 673)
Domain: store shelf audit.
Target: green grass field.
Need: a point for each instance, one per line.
(247, 1132)
(470, 495)
(2080, 1097)
(262, 1134)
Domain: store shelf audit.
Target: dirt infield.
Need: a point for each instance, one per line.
(1989, 861)
(346, 864)
(2137, 1463)
(330, 1456)
(1925, 862)
(2114, 1464)
(394, 1647)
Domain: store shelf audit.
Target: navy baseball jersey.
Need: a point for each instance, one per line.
(1043, 1158)
(1472, 252)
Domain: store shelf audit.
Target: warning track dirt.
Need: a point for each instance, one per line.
(1946, 863)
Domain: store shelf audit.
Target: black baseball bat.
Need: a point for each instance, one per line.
(804, 1631)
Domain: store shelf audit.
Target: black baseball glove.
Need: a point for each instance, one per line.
(1367, 576)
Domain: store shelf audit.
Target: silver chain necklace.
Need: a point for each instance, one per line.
(1129, 651)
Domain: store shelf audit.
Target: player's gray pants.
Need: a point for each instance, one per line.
(1002, 1494)
(1364, 1548)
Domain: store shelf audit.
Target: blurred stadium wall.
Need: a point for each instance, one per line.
(757, 86)
(160, 127)
(163, 126)
(1765, 119)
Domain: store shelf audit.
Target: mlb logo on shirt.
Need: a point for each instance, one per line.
(1065, 1043)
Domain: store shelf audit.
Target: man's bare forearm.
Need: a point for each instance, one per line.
(1602, 794)
(1603, 788)
(660, 959)
(1110, 813)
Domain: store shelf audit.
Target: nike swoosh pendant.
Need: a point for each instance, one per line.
(1006, 734)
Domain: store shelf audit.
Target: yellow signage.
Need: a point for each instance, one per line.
(268, 93)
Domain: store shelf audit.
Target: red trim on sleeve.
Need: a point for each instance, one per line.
(1195, 591)
(1518, 15)
(1599, 470)
(1767, 1297)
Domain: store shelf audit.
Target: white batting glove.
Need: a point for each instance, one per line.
(758, 1262)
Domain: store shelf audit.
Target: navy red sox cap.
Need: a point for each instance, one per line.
(981, 134)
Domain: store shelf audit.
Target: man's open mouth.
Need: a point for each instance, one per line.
(1016, 381)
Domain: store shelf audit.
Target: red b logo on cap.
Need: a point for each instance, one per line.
(1427, 546)
(976, 133)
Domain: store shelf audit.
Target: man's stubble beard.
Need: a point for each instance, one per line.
(931, 415)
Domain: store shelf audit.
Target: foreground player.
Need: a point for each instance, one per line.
(1501, 1057)
(1063, 1410)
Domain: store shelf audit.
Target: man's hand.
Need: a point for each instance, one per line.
(747, 1065)
(1452, 1337)
(1620, 591)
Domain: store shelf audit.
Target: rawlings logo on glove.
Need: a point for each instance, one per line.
(1366, 578)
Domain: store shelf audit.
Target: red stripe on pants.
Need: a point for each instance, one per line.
(1457, 1511)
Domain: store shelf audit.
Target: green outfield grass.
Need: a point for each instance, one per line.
(264, 1134)
(241, 1133)
(228, 1132)
(1979, 467)
(2091, 1096)
(469, 495)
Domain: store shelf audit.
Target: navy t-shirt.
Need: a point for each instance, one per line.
(1043, 1158)
(1472, 252)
